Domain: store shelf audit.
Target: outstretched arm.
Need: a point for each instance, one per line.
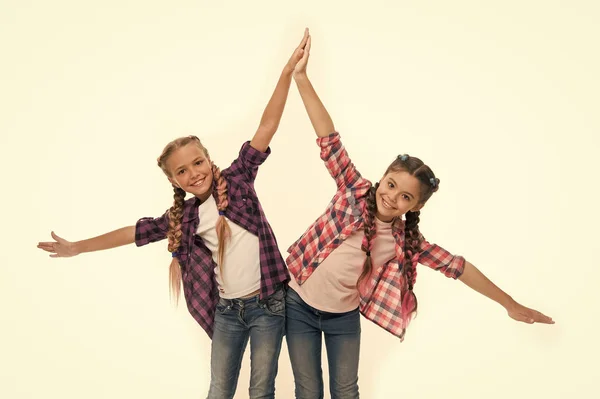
(475, 279)
(274, 110)
(61, 248)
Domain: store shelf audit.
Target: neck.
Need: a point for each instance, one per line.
(383, 219)
(203, 197)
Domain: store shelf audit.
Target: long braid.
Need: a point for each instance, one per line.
(222, 227)
(370, 229)
(412, 244)
(175, 213)
(174, 237)
(409, 267)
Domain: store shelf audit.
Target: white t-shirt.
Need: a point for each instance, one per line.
(241, 266)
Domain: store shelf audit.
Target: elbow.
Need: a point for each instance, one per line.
(267, 128)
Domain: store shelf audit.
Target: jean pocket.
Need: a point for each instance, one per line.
(223, 308)
(275, 304)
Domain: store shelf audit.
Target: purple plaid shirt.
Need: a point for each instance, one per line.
(197, 265)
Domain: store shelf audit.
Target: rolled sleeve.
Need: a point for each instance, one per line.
(337, 161)
(248, 161)
(439, 259)
(150, 229)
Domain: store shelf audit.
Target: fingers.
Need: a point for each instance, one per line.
(542, 318)
(298, 54)
(47, 246)
(48, 249)
(537, 317)
(306, 53)
(56, 237)
(531, 316)
(50, 246)
(524, 318)
(304, 39)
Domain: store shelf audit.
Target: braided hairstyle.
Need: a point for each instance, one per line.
(176, 211)
(223, 229)
(370, 232)
(412, 242)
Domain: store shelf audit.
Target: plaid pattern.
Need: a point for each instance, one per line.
(197, 265)
(381, 294)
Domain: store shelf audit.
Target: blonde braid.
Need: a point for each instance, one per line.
(222, 227)
(174, 237)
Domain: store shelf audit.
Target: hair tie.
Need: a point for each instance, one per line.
(368, 253)
(433, 182)
(403, 158)
(174, 254)
(222, 213)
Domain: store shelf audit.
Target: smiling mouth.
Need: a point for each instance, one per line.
(198, 183)
(387, 204)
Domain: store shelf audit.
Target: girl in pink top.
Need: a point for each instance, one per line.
(360, 257)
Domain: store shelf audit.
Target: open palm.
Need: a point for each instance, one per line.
(59, 248)
(300, 68)
(298, 52)
(527, 315)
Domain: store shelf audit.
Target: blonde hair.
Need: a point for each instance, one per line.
(176, 212)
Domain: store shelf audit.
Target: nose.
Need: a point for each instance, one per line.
(195, 171)
(392, 196)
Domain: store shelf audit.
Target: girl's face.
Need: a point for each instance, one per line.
(398, 193)
(191, 171)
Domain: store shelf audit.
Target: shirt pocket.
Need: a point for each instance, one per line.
(241, 199)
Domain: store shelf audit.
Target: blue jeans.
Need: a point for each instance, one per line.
(236, 322)
(305, 327)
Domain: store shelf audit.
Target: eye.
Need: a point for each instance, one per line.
(182, 171)
(405, 197)
(199, 162)
(390, 184)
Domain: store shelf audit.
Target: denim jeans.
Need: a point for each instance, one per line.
(236, 322)
(305, 327)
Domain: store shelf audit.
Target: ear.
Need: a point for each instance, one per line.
(417, 207)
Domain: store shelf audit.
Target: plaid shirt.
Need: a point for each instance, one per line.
(380, 296)
(197, 265)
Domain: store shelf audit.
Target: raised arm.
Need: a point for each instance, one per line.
(61, 248)
(272, 113)
(319, 117)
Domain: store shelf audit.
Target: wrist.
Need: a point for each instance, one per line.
(507, 302)
(288, 70)
(77, 248)
(300, 77)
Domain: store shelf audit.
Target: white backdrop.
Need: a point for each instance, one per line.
(499, 98)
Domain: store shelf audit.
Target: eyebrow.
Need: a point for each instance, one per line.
(404, 192)
(194, 161)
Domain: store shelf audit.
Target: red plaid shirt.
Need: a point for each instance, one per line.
(380, 296)
(197, 265)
